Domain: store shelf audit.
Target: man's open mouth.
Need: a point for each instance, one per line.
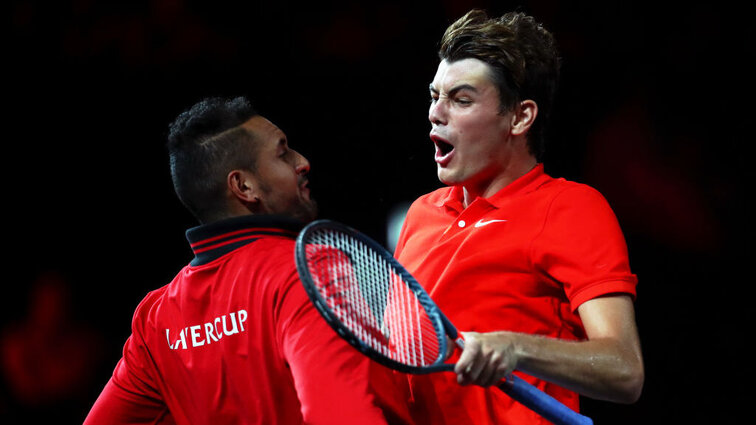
(444, 147)
(444, 150)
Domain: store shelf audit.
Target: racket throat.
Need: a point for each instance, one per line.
(452, 345)
(460, 342)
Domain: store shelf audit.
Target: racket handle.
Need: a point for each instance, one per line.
(541, 403)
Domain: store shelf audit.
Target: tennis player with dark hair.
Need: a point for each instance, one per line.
(534, 267)
(234, 339)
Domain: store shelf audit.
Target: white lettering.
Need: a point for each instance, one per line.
(209, 333)
(182, 336)
(213, 333)
(217, 332)
(233, 330)
(242, 319)
(195, 335)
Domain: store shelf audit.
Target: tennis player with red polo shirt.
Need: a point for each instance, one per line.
(533, 267)
(234, 339)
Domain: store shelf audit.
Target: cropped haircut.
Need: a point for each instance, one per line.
(523, 58)
(205, 143)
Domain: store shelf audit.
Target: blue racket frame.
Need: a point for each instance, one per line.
(441, 324)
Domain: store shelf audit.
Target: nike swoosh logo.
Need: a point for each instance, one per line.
(482, 223)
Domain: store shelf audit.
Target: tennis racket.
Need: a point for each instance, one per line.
(372, 302)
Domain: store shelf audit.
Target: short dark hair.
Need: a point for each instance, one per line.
(522, 55)
(205, 143)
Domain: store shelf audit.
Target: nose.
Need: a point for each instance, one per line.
(437, 112)
(302, 165)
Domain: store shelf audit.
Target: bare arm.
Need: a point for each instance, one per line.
(607, 366)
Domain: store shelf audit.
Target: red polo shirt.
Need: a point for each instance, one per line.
(522, 260)
(234, 339)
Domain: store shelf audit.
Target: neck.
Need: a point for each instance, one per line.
(488, 187)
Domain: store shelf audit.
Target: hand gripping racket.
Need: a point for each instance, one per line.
(380, 309)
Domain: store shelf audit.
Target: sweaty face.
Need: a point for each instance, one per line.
(280, 173)
(469, 132)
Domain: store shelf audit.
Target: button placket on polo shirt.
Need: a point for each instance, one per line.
(469, 216)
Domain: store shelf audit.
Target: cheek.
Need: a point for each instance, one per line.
(476, 133)
(476, 120)
(282, 173)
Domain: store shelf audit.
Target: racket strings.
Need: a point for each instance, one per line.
(371, 298)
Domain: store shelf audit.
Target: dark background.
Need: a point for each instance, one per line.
(654, 110)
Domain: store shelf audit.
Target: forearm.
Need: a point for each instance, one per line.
(598, 368)
(607, 366)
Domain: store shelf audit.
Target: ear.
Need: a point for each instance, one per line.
(524, 116)
(243, 186)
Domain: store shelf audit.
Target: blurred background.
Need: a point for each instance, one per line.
(654, 110)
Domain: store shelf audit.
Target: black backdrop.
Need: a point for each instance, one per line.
(653, 110)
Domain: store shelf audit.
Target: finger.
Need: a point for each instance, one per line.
(476, 370)
(490, 373)
(466, 358)
(468, 364)
(496, 369)
(486, 376)
(495, 377)
(504, 367)
(464, 364)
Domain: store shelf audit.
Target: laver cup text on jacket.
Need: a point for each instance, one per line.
(207, 333)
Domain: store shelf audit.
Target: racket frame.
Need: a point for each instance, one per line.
(440, 323)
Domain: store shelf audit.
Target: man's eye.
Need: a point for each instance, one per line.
(463, 101)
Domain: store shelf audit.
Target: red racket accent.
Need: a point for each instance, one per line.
(372, 300)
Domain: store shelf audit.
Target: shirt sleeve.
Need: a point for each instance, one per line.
(581, 247)
(130, 396)
(118, 405)
(331, 377)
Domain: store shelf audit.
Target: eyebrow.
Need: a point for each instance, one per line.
(455, 89)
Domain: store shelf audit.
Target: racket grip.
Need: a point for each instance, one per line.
(541, 403)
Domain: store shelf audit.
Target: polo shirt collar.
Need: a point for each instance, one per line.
(529, 182)
(213, 240)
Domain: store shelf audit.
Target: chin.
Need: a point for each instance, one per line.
(309, 212)
(447, 178)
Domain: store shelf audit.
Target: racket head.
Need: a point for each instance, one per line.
(370, 300)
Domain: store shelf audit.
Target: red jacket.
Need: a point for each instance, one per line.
(233, 339)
